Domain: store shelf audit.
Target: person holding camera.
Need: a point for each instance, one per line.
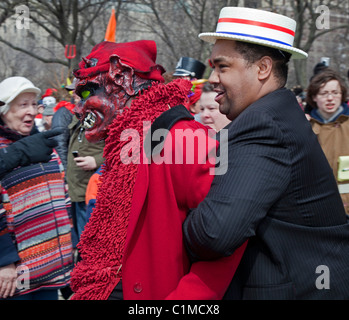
(84, 158)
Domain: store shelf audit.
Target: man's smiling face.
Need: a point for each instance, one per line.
(234, 80)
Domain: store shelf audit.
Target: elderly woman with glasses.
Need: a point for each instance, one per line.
(35, 229)
(327, 95)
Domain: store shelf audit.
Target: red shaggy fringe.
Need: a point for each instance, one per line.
(102, 243)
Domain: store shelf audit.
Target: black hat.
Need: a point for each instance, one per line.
(189, 67)
(319, 67)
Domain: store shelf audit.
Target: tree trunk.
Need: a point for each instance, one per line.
(300, 67)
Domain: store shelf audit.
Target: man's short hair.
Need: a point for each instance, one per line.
(253, 52)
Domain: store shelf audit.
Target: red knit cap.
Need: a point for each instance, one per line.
(48, 93)
(140, 55)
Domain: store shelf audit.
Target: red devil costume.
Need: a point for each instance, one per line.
(134, 235)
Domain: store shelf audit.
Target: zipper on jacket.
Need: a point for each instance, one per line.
(81, 134)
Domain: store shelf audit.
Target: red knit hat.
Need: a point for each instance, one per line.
(48, 93)
(140, 55)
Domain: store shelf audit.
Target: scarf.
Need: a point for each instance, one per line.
(343, 109)
(103, 241)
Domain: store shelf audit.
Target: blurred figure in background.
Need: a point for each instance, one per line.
(318, 68)
(49, 104)
(38, 119)
(80, 167)
(326, 95)
(210, 114)
(62, 118)
(193, 70)
(300, 95)
(189, 68)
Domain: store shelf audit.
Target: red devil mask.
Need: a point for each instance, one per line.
(108, 77)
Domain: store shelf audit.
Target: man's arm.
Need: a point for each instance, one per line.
(258, 173)
(208, 280)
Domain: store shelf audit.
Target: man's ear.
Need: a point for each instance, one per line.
(265, 66)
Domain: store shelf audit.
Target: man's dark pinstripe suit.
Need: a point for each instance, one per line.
(279, 191)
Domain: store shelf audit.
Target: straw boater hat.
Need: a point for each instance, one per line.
(256, 26)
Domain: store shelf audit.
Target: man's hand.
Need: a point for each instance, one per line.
(86, 163)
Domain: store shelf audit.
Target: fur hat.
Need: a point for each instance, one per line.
(12, 87)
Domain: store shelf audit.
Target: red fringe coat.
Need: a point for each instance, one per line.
(135, 230)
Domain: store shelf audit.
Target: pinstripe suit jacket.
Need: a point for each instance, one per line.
(280, 192)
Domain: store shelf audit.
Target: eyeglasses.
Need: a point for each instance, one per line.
(326, 94)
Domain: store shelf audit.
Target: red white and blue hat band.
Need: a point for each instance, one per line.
(272, 32)
(256, 26)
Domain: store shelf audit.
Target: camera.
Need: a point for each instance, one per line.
(75, 154)
(325, 61)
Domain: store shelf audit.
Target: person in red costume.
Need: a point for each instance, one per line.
(132, 247)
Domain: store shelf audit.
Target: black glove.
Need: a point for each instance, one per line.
(31, 149)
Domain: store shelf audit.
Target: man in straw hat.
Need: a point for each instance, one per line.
(278, 191)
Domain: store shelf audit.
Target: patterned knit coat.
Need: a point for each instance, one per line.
(35, 228)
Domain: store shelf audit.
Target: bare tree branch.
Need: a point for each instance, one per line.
(32, 54)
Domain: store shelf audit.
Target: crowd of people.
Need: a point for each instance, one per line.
(102, 198)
